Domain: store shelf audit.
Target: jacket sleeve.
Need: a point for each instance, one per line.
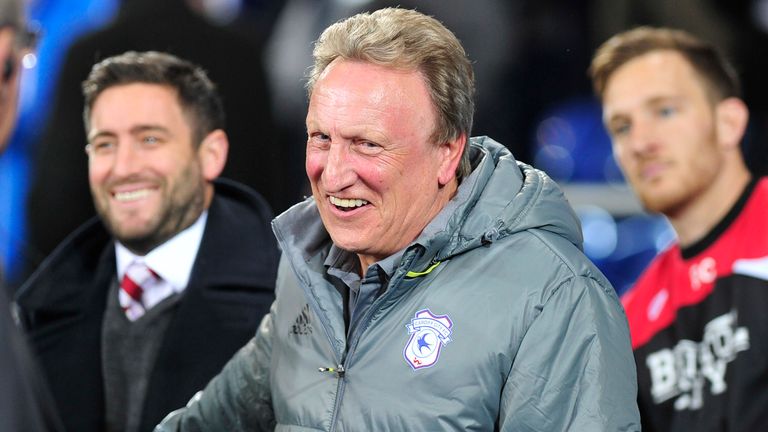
(574, 369)
(238, 399)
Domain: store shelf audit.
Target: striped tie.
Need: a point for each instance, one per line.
(137, 278)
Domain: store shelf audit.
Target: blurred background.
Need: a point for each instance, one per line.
(533, 95)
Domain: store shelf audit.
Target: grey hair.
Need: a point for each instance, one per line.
(409, 40)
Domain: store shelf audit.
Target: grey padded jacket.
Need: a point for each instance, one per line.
(497, 323)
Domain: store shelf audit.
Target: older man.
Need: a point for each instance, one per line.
(431, 282)
(139, 308)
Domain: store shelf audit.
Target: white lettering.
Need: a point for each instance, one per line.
(683, 371)
(663, 374)
(704, 272)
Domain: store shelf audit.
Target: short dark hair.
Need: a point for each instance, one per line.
(719, 76)
(196, 93)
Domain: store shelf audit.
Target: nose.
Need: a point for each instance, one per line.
(338, 173)
(644, 138)
(127, 160)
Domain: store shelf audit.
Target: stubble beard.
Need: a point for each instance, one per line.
(180, 208)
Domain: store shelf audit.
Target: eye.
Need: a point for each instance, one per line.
(150, 140)
(666, 111)
(101, 147)
(368, 147)
(319, 140)
(619, 129)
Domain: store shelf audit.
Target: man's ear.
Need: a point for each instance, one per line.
(212, 154)
(731, 116)
(450, 155)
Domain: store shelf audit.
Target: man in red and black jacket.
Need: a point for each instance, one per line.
(672, 107)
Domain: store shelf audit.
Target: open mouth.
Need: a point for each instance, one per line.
(346, 205)
(133, 195)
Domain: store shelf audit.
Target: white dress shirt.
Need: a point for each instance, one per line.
(172, 261)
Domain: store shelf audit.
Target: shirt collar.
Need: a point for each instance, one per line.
(172, 260)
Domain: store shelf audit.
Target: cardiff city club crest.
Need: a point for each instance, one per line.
(429, 333)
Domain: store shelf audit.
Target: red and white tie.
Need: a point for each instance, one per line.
(137, 278)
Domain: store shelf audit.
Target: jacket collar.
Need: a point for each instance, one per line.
(502, 196)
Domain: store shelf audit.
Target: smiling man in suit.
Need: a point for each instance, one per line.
(143, 305)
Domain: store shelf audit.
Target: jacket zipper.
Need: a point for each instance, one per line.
(339, 394)
(340, 370)
(352, 346)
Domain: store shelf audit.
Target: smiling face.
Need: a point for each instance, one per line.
(664, 130)
(377, 178)
(147, 179)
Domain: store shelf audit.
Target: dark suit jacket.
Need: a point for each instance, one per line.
(25, 404)
(230, 289)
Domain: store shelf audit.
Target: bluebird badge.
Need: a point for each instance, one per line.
(429, 332)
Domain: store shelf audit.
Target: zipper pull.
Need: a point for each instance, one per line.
(338, 370)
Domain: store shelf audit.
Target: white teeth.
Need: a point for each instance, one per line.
(347, 203)
(132, 195)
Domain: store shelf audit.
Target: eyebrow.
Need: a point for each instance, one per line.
(133, 131)
(661, 99)
(654, 101)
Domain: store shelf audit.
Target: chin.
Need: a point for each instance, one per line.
(131, 232)
(351, 243)
(665, 205)
(350, 246)
(131, 237)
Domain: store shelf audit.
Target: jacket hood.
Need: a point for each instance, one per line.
(503, 196)
(500, 197)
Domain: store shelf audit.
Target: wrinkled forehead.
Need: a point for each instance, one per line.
(374, 87)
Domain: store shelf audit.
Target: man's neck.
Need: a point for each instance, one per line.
(700, 216)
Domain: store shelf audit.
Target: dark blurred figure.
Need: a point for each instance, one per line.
(59, 199)
(549, 69)
(25, 404)
(748, 22)
(255, 19)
